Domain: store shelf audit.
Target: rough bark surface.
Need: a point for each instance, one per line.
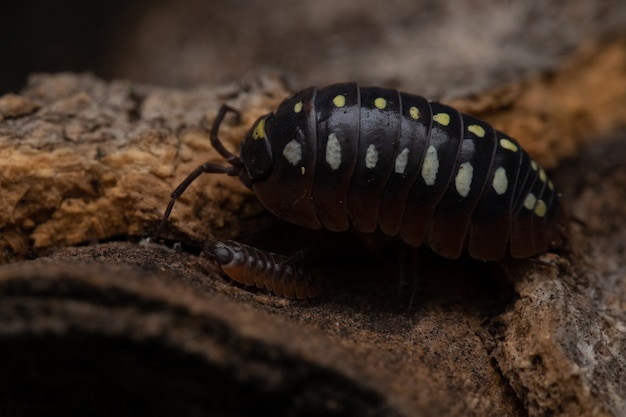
(128, 326)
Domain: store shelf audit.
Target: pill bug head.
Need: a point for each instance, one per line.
(279, 158)
(222, 257)
(224, 253)
(256, 151)
(220, 252)
(214, 256)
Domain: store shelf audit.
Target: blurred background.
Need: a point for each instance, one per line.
(418, 45)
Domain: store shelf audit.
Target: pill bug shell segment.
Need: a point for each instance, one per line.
(367, 157)
(265, 270)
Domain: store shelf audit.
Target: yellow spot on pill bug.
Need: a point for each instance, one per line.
(293, 152)
(371, 156)
(550, 185)
(500, 181)
(401, 161)
(339, 101)
(430, 167)
(297, 108)
(414, 112)
(259, 130)
(333, 151)
(542, 175)
(463, 179)
(530, 201)
(507, 144)
(442, 118)
(541, 208)
(477, 130)
(533, 165)
(380, 103)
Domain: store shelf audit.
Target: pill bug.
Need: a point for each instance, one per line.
(254, 267)
(376, 158)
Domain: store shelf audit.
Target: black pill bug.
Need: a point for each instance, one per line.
(367, 157)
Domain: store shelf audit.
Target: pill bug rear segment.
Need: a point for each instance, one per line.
(366, 157)
(253, 267)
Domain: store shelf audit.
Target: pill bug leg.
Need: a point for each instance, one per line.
(234, 169)
(408, 261)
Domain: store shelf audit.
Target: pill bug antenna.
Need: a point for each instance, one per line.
(235, 168)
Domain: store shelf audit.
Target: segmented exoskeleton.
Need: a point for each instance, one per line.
(253, 267)
(366, 157)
